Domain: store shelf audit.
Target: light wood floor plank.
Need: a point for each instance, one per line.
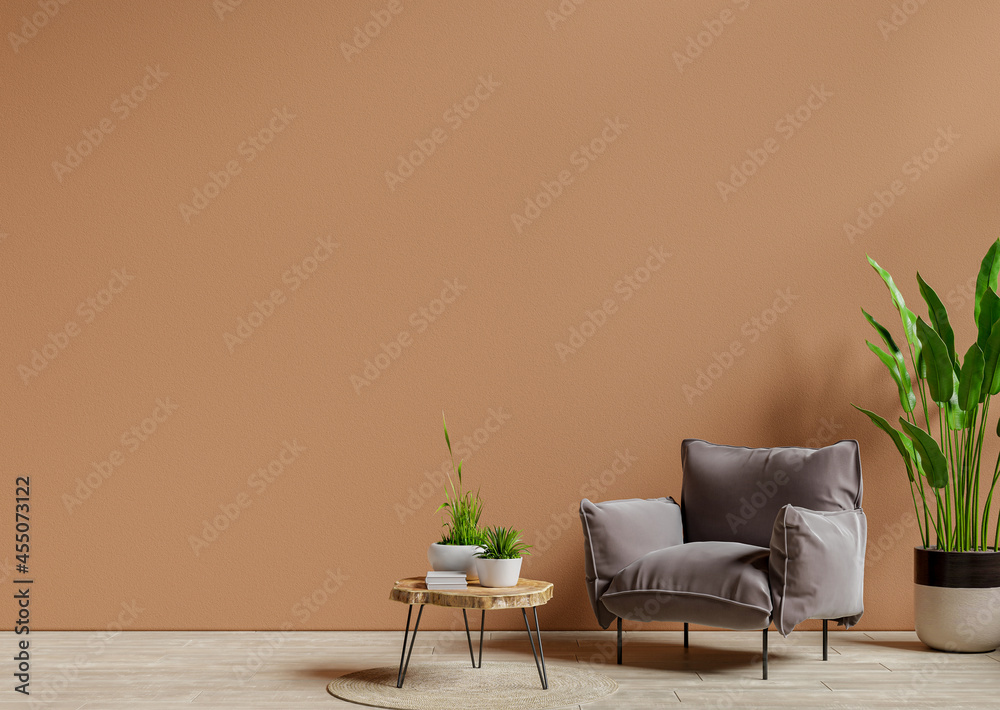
(268, 670)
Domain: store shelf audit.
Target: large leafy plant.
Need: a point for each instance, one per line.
(462, 508)
(503, 544)
(941, 437)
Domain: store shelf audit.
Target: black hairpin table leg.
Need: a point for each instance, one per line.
(482, 625)
(542, 675)
(404, 659)
(468, 637)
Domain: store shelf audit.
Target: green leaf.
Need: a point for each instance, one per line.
(503, 544)
(940, 373)
(446, 439)
(939, 318)
(462, 509)
(902, 442)
(989, 314)
(907, 316)
(906, 396)
(991, 366)
(987, 278)
(970, 384)
(932, 462)
(955, 415)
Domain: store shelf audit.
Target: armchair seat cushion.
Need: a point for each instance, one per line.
(713, 583)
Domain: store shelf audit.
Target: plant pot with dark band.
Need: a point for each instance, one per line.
(957, 599)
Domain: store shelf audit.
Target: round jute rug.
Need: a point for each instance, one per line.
(510, 686)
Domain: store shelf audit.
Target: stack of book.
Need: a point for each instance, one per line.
(446, 580)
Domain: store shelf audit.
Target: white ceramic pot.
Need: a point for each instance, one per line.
(957, 619)
(498, 573)
(453, 558)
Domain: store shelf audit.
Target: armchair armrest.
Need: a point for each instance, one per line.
(618, 532)
(817, 566)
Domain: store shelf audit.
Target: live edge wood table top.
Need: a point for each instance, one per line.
(527, 593)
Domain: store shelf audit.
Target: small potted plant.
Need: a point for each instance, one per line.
(462, 538)
(499, 564)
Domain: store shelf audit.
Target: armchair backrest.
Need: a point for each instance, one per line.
(733, 494)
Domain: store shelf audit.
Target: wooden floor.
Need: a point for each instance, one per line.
(246, 670)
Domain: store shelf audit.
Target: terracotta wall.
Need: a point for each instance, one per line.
(246, 237)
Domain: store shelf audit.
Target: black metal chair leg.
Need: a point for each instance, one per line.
(401, 675)
(619, 640)
(765, 654)
(540, 667)
(685, 634)
(825, 640)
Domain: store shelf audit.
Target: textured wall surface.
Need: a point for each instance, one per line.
(250, 251)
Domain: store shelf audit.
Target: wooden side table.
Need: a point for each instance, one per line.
(528, 593)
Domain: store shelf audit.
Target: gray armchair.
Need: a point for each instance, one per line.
(761, 535)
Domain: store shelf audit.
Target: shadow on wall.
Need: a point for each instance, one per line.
(813, 407)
